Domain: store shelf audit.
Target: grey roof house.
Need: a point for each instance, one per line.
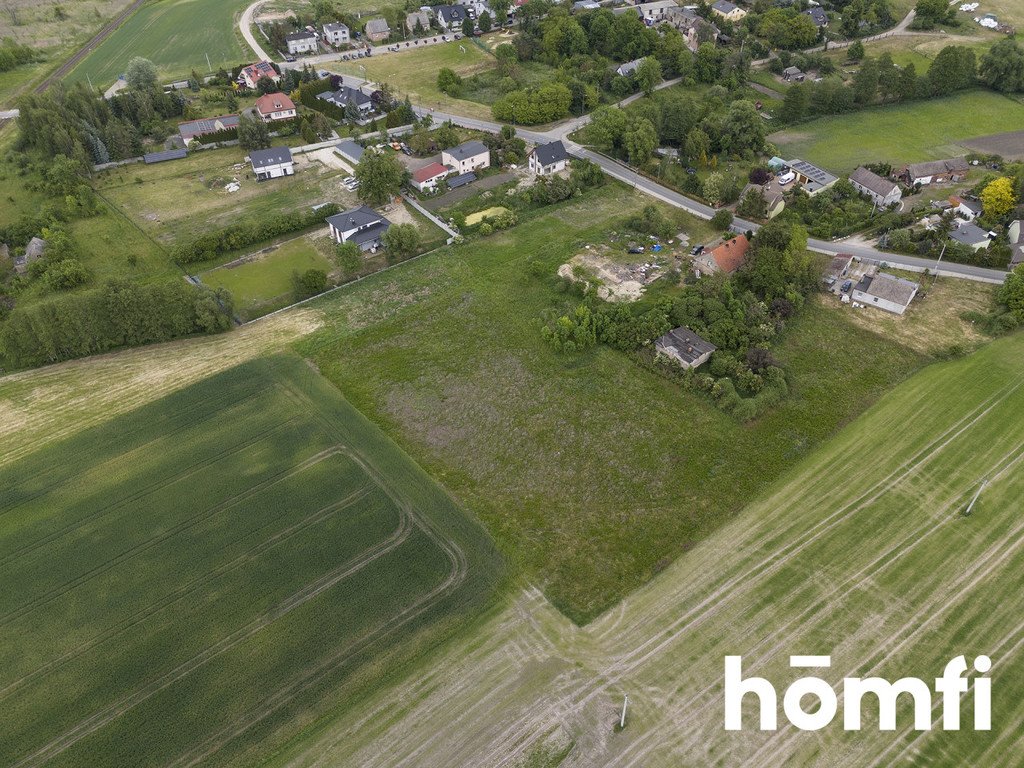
(818, 16)
(362, 226)
(971, 235)
(34, 250)
(684, 347)
(628, 68)
(347, 95)
(272, 163)
(883, 191)
(893, 294)
(548, 158)
(1015, 233)
(450, 16)
(349, 150)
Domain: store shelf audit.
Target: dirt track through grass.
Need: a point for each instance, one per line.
(874, 566)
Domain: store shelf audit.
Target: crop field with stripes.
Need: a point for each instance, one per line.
(198, 580)
(862, 552)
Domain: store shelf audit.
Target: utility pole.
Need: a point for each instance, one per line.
(208, 64)
(970, 506)
(622, 720)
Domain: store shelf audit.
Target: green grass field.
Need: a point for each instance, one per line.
(177, 199)
(265, 284)
(229, 563)
(860, 552)
(415, 73)
(176, 35)
(591, 472)
(909, 133)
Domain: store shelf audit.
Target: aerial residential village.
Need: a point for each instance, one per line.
(398, 150)
(452, 357)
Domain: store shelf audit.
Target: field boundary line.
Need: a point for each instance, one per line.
(615, 673)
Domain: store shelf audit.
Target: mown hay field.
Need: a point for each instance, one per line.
(862, 553)
(201, 578)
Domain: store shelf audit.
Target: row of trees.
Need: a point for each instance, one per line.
(880, 80)
(121, 313)
(245, 233)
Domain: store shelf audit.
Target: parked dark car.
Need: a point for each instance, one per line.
(847, 286)
(697, 250)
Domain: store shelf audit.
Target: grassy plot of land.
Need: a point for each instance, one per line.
(861, 552)
(592, 472)
(228, 563)
(54, 30)
(932, 324)
(264, 282)
(907, 133)
(178, 199)
(176, 35)
(415, 73)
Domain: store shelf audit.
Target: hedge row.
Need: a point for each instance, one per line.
(245, 233)
(121, 313)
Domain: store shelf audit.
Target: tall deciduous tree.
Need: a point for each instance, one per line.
(380, 177)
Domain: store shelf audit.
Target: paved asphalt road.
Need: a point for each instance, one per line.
(627, 175)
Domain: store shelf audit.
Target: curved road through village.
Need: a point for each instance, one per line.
(648, 186)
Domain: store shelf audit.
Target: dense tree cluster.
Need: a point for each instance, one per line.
(14, 55)
(380, 176)
(880, 80)
(121, 313)
(245, 233)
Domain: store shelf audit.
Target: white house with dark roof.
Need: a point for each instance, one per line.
(884, 192)
(971, 235)
(337, 33)
(655, 12)
(684, 347)
(470, 156)
(628, 68)
(893, 294)
(450, 17)
(546, 159)
(273, 163)
(968, 210)
(362, 226)
(303, 41)
(346, 95)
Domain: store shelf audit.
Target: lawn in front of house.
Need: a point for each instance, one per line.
(264, 283)
(180, 198)
(906, 133)
(414, 73)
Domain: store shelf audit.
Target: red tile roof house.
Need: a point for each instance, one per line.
(426, 178)
(727, 257)
(275, 106)
(251, 75)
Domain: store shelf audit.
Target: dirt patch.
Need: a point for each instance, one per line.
(616, 281)
(1009, 146)
(326, 157)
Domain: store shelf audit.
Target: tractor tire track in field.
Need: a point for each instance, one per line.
(190, 522)
(697, 703)
(526, 731)
(456, 576)
(189, 588)
(119, 459)
(68, 468)
(312, 590)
